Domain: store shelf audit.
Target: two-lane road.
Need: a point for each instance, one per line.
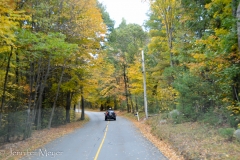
(100, 140)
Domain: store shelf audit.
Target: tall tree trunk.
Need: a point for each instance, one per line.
(38, 75)
(136, 103)
(82, 108)
(170, 47)
(41, 96)
(27, 132)
(234, 7)
(55, 100)
(74, 108)
(235, 89)
(238, 25)
(125, 85)
(115, 103)
(68, 106)
(131, 101)
(39, 110)
(82, 105)
(5, 85)
(236, 13)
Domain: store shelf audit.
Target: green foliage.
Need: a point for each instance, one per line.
(40, 53)
(193, 93)
(234, 120)
(192, 62)
(14, 126)
(206, 70)
(106, 17)
(226, 132)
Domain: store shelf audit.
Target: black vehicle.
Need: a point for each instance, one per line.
(110, 114)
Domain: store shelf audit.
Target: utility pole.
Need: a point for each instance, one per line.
(144, 85)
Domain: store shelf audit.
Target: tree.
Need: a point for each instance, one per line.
(204, 45)
(238, 24)
(39, 76)
(106, 18)
(167, 10)
(10, 18)
(125, 42)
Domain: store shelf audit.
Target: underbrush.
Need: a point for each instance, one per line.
(196, 140)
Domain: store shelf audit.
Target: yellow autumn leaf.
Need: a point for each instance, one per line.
(199, 57)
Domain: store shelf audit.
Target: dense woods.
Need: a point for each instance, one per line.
(196, 69)
(46, 66)
(58, 55)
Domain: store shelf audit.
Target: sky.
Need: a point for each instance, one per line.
(133, 11)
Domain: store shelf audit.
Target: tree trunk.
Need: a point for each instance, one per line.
(5, 86)
(27, 132)
(41, 96)
(238, 25)
(115, 103)
(170, 47)
(74, 108)
(55, 100)
(34, 112)
(131, 101)
(39, 111)
(234, 7)
(235, 85)
(136, 103)
(17, 68)
(82, 108)
(68, 106)
(235, 89)
(125, 85)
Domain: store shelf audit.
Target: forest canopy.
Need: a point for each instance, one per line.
(58, 55)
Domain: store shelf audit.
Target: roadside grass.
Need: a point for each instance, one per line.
(192, 140)
(196, 140)
(39, 139)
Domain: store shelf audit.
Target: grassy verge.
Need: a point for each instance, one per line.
(189, 140)
(196, 140)
(39, 139)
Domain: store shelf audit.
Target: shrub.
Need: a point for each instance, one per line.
(227, 133)
(193, 95)
(214, 117)
(176, 116)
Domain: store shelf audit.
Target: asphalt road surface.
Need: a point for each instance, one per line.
(100, 140)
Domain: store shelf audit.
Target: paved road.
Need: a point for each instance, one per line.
(100, 140)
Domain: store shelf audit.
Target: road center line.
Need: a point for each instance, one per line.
(100, 147)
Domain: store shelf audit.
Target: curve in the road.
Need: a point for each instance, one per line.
(100, 140)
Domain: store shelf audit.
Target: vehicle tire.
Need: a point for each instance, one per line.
(105, 119)
(115, 119)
